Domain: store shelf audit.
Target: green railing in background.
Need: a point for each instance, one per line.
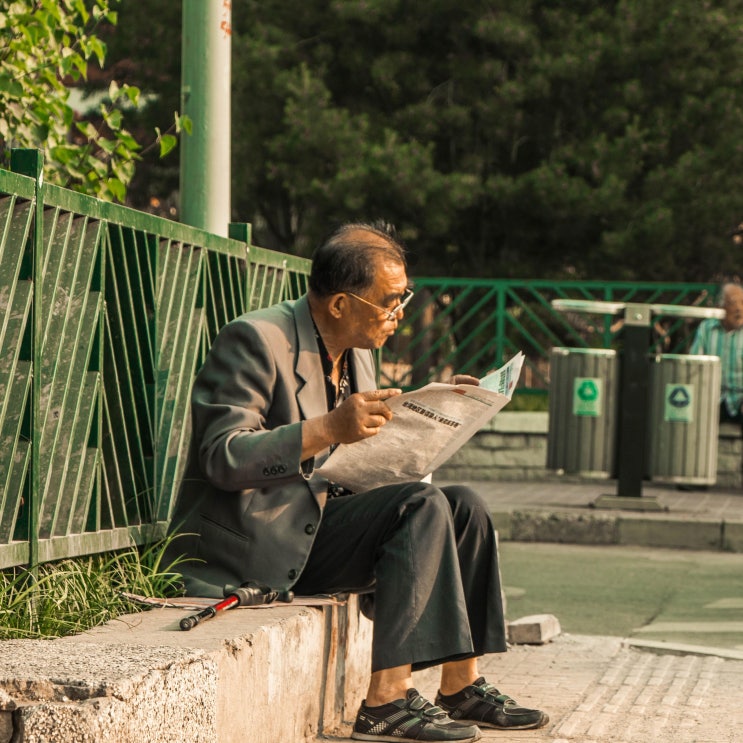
(475, 325)
(106, 313)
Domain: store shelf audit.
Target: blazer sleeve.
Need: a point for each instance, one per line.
(245, 415)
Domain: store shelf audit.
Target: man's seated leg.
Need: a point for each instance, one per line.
(464, 694)
(433, 555)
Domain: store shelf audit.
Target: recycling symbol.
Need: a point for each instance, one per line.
(587, 391)
(679, 397)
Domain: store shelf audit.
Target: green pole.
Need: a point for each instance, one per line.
(205, 99)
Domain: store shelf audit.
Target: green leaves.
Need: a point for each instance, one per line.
(48, 44)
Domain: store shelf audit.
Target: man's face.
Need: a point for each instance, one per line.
(370, 326)
(733, 306)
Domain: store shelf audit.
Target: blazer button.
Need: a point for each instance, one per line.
(309, 529)
(292, 574)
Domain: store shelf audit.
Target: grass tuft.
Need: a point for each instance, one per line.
(71, 596)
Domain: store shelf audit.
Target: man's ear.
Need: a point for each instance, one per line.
(337, 306)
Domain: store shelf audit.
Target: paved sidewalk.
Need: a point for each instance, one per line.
(599, 690)
(605, 689)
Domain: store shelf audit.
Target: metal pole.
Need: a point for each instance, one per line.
(205, 99)
(635, 370)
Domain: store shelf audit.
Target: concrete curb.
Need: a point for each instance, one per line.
(140, 678)
(602, 528)
(678, 648)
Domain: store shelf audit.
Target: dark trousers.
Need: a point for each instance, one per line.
(431, 557)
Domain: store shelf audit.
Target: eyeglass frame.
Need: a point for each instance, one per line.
(389, 315)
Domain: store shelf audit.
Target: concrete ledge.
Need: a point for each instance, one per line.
(508, 421)
(596, 528)
(674, 648)
(555, 526)
(696, 535)
(732, 536)
(141, 678)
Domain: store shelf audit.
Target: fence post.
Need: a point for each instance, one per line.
(31, 163)
(243, 232)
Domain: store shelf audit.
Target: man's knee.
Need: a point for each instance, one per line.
(470, 513)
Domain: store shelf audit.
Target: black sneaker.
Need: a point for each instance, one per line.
(412, 718)
(482, 704)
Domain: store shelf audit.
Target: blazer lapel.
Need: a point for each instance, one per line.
(311, 396)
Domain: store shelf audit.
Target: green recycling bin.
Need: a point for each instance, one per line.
(684, 419)
(583, 396)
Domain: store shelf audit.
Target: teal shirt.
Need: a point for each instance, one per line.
(712, 339)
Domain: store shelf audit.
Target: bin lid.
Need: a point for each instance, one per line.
(588, 305)
(680, 310)
(613, 308)
(564, 351)
(685, 358)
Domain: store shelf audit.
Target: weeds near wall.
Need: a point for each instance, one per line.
(73, 595)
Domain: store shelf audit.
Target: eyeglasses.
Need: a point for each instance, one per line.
(390, 315)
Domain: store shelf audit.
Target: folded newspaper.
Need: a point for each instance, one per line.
(428, 426)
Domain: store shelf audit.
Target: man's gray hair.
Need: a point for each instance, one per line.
(344, 261)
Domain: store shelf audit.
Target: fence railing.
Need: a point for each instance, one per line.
(475, 325)
(106, 313)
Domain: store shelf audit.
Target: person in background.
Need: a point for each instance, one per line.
(279, 389)
(724, 338)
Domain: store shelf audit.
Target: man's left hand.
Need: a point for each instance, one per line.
(464, 379)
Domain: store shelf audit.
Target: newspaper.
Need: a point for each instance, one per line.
(428, 426)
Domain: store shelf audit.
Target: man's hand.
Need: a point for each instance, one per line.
(464, 379)
(360, 416)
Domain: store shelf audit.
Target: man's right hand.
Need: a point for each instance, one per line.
(358, 417)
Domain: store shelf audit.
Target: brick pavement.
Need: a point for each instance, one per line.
(598, 690)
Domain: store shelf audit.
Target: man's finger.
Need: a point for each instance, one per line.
(382, 411)
(464, 379)
(372, 395)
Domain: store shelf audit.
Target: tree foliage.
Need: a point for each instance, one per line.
(47, 47)
(596, 139)
(527, 138)
(144, 50)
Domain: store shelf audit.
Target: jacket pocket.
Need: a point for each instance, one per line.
(221, 546)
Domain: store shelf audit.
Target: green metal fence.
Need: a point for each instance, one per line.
(106, 313)
(475, 325)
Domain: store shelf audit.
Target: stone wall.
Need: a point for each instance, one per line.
(513, 446)
(268, 674)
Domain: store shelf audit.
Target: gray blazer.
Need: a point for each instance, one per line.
(248, 508)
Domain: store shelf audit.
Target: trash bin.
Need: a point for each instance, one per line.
(583, 398)
(684, 419)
